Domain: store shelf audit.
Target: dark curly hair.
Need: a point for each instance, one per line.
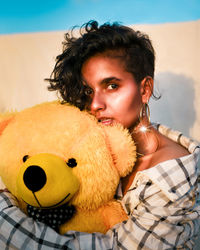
(132, 46)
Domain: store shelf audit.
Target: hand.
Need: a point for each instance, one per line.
(11, 197)
(4, 190)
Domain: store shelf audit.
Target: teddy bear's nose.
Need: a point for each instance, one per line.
(34, 178)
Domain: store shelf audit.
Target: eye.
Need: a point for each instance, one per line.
(72, 163)
(88, 91)
(112, 86)
(25, 158)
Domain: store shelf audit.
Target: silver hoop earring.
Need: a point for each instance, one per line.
(144, 112)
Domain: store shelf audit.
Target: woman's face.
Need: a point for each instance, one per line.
(115, 95)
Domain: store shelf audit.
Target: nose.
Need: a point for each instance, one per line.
(97, 103)
(34, 178)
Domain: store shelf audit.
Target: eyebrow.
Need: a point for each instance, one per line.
(110, 79)
(104, 81)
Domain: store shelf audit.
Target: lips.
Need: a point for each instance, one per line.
(106, 121)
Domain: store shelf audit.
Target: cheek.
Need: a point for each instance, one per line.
(127, 108)
(127, 101)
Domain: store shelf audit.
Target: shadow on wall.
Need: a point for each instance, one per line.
(175, 108)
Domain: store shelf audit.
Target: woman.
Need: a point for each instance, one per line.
(109, 71)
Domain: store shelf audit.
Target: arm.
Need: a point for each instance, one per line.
(163, 214)
(21, 232)
(150, 225)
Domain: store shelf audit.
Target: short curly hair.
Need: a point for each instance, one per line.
(134, 47)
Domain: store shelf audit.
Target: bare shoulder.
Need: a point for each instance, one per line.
(173, 147)
(168, 149)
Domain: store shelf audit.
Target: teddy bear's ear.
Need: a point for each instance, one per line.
(122, 148)
(4, 121)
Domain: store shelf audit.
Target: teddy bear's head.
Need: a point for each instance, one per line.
(53, 153)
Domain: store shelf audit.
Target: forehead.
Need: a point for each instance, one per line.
(103, 65)
(118, 54)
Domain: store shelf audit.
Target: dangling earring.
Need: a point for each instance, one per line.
(143, 133)
(144, 113)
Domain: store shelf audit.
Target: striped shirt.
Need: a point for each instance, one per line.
(162, 204)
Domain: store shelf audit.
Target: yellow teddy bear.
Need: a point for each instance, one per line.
(54, 155)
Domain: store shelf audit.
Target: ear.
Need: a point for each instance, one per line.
(4, 121)
(122, 148)
(146, 88)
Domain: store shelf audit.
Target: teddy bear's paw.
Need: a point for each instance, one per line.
(52, 217)
(113, 213)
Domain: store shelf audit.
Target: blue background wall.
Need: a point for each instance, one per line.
(18, 16)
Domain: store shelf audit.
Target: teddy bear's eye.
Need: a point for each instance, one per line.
(25, 158)
(72, 163)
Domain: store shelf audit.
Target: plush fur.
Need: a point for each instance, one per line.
(103, 154)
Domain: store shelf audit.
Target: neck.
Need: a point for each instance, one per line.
(147, 143)
(145, 138)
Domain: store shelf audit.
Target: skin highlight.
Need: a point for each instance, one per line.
(115, 97)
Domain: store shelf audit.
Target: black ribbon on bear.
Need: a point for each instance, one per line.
(53, 217)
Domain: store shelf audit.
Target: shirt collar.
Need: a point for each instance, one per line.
(174, 177)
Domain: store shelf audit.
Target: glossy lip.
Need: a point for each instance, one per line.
(105, 121)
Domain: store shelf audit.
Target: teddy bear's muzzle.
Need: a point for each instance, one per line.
(46, 180)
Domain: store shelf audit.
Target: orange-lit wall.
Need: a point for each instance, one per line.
(26, 59)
